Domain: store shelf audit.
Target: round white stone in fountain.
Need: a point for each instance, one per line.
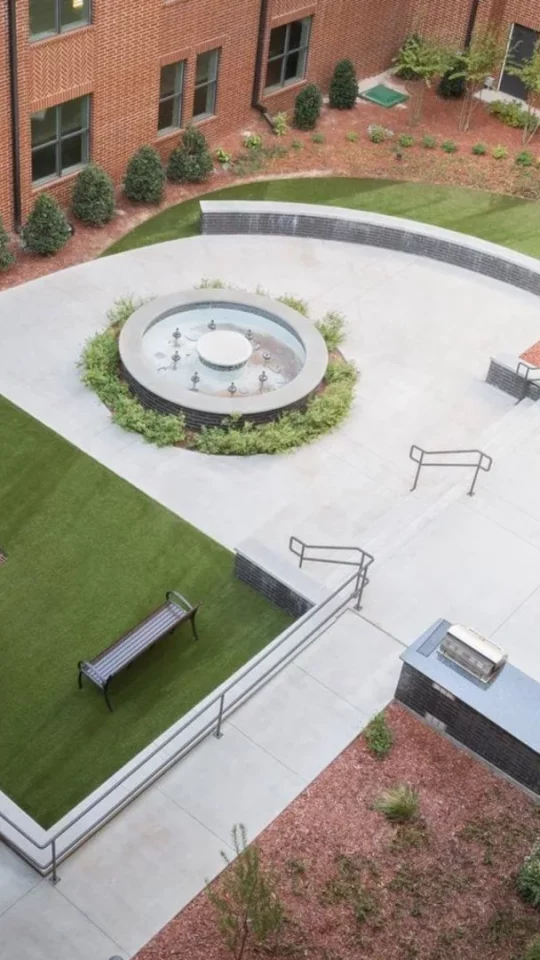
(224, 349)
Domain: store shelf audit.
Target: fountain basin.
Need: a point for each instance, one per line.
(212, 353)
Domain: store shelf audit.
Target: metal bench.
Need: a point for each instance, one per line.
(131, 645)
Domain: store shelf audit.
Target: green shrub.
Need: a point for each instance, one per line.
(409, 44)
(532, 950)
(525, 159)
(343, 86)
(499, 153)
(222, 156)
(449, 146)
(7, 257)
(207, 284)
(452, 87)
(307, 107)
(510, 113)
(253, 141)
(46, 231)
(528, 877)
(296, 145)
(92, 200)
(332, 329)
(280, 124)
(479, 149)
(190, 162)
(398, 804)
(405, 140)
(144, 181)
(429, 142)
(377, 134)
(317, 138)
(378, 736)
(295, 303)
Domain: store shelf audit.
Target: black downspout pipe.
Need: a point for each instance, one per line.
(472, 22)
(14, 99)
(261, 37)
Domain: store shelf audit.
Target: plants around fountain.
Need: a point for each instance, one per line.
(324, 411)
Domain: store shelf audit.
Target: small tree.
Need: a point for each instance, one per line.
(7, 257)
(46, 231)
(145, 179)
(343, 86)
(307, 107)
(92, 200)
(528, 72)
(478, 62)
(191, 162)
(246, 902)
(420, 61)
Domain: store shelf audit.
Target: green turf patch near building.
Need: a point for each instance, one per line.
(510, 221)
(384, 96)
(88, 556)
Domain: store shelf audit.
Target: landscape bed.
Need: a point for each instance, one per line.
(354, 884)
(89, 556)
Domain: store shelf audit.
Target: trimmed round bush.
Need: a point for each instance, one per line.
(343, 86)
(145, 178)
(528, 877)
(46, 231)
(452, 87)
(92, 200)
(191, 162)
(7, 257)
(307, 107)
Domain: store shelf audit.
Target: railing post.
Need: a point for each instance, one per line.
(360, 584)
(418, 469)
(54, 876)
(302, 549)
(217, 733)
(476, 472)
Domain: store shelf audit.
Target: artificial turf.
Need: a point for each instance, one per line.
(88, 556)
(502, 219)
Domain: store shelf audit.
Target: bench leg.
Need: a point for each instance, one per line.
(194, 628)
(80, 677)
(106, 695)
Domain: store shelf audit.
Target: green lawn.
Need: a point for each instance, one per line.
(88, 556)
(506, 220)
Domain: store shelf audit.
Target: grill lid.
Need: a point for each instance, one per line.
(473, 652)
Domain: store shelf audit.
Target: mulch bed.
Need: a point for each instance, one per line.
(356, 886)
(336, 156)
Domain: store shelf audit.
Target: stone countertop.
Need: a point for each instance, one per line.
(511, 700)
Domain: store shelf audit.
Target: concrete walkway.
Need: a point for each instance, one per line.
(421, 333)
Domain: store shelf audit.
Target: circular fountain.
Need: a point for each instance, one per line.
(212, 353)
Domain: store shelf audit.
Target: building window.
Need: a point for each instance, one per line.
(171, 86)
(48, 17)
(204, 100)
(60, 138)
(287, 53)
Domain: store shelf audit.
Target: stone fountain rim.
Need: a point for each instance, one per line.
(139, 366)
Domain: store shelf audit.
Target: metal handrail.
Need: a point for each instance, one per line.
(300, 549)
(526, 378)
(223, 704)
(483, 462)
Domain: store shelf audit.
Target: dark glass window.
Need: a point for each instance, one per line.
(171, 85)
(287, 53)
(206, 73)
(60, 138)
(48, 17)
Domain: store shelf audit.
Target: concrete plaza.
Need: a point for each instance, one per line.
(421, 334)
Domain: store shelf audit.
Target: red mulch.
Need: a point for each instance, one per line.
(336, 156)
(441, 889)
(532, 355)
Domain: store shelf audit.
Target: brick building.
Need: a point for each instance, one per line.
(96, 79)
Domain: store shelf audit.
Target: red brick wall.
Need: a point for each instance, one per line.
(118, 58)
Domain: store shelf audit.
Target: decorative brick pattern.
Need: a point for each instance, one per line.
(469, 727)
(118, 57)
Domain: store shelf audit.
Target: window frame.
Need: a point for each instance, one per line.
(302, 50)
(58, 28)
(59, 139)
(177, 96)
(209, 84)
